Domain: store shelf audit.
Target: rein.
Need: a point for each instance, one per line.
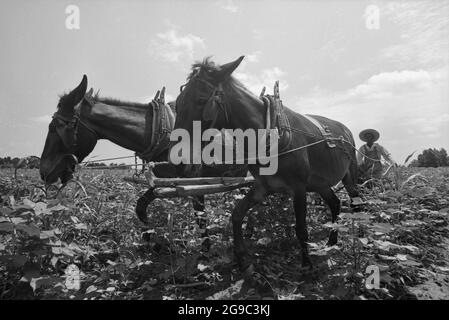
(217, 94)
(72, 124)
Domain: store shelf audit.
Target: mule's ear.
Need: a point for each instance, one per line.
(77, 94)
(227, 69)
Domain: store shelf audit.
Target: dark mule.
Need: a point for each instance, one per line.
(315, 168)
(81, 120)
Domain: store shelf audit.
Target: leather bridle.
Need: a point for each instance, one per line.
(216, 96)
(70, 125)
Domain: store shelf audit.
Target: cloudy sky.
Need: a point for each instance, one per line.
(331, 58)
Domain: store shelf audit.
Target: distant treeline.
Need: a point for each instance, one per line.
(431, 158)
(31, 162)
(107, 166)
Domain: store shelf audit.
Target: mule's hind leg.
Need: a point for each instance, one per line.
(350, 180)
(254, 196)
(302, 234)
(334, 204)
(350, 183)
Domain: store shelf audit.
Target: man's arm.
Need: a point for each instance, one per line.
(386, 154)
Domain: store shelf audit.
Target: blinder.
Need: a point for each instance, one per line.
(68, 132)
(214, 104)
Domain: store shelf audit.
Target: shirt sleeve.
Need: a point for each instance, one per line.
(385, 154)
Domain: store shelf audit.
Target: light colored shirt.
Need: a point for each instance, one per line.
(373, 152)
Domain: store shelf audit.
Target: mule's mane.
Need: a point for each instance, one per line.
(118, 102)
(207, 65)
(109, 101)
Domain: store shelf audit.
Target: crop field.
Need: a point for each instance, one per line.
(394, 248)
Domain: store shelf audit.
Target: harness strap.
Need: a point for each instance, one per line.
(277, 119)
(323, 129)
(159, 137)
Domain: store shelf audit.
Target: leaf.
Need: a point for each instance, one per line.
(17, 220)
(410, 263)
(54, 261)
(382, 227)
(46, 234)
(389, 258)
(228, 293)
(62, 251)
(202, 267)
(75, 219)
(31, 230)
(5, 211)
(81, 226)
(414, 176)
(37, 283)
(409, 156)
(57, 207)
(6, 227)
(363, 241)
(29, 203)
(264, 241)
(15, 261)
(401, 257)
(40, 208)
(91, 289)
(443, 269)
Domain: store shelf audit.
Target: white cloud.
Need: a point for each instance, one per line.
(408, 107)
(257, 34)
(385, 85)
(172, 47)
(253, 57)
(333, 49)
(267, 78)
(423, 33)
(228, 5)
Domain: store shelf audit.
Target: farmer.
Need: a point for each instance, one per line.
(369, 155)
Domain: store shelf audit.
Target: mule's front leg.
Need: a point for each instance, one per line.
(301, 225)
(334, 204)
(255, 195)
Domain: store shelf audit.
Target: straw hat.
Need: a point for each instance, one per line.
(375, 133)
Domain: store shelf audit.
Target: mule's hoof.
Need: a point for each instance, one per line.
(205, 245)
(307, 263)
(333, 239)
(143, 218)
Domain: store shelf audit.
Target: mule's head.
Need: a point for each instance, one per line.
(67, 141)
(201, 100)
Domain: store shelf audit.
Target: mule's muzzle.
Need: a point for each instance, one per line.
(63, 170)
